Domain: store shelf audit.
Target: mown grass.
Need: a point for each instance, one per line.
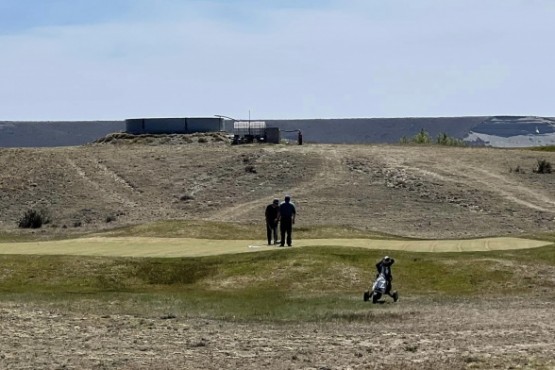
(305, 284)
(200, 229)
(230, 231)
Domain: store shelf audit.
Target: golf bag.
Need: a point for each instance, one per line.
(379, 287)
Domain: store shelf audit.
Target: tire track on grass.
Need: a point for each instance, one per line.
(106, 193)
(331, 167)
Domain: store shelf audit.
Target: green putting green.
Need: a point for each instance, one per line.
(188, 247)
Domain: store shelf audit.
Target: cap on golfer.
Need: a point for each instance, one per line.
(386, 259)
(276, 201)
(287, 198)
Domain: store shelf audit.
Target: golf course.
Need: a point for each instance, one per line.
(163, 264)
(190, 247)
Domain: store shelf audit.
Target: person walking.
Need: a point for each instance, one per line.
(272, 219)
(384, 268)
(287, 213)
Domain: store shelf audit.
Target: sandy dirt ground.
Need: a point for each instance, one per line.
(188, 247)
(416, 334)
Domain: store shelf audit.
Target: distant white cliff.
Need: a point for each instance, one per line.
(513, 132)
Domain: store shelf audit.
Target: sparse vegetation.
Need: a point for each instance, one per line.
(423, 137)
(543, 167)
(517, 169)
(444, 139)
(186, 197)
(33, 219)
(162, 139)
(250, 169)
(111, 218)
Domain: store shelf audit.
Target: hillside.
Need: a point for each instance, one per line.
(424, 192)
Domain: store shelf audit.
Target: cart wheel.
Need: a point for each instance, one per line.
(395, 296)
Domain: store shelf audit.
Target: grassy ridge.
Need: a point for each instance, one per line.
(199, 229)
(312, 283)
(230, 231)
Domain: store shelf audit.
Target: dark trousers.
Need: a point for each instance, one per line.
(388, 287)
(286, 227)
(271, 232)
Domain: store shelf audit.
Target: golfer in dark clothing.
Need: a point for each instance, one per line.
(287, 214)
(384, 267)
(272, 218)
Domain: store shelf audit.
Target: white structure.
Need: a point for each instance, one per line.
(253, 128)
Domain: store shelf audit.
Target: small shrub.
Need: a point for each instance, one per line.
(33, 219)
(164, 140)
(543, 166)
(202, 140)
(248, 159)
(422, 137)
(444, 139)
(186, 197)
(110, 218)
(250, 169)
(518, 169)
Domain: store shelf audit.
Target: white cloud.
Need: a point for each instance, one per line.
(348, 59)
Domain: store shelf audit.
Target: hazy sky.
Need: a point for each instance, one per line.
(117, 59)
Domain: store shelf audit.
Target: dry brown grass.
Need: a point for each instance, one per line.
(425, 192)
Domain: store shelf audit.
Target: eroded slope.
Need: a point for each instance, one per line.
(428, 192)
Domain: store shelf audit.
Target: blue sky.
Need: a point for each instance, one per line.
(117, 59)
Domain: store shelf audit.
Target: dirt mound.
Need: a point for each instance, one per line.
(164, 139)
